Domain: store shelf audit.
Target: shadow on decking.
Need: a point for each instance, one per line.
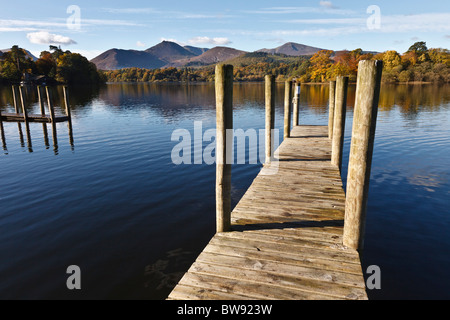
(290, 225)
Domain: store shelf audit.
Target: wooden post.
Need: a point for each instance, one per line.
(16, 109)
(50, 105)
(41, 101)
(52, 119)
(287, 108)
(14, 94)
(270, 116)
(41, 105)
(339, 121)
(66, 101)
(296, 104)
(2, 132)
(224, 145)
(68, 113)
(25, 119)
(331, 109)
(361, 150)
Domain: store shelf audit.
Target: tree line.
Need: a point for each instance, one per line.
(58, 65)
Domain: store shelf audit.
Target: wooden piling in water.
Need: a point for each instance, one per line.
(270, 116)
(42, 107)
(331, 109)
(24, 109)
(52, 117)
(224, 144)
(25, 119)
(296, 104)
(361, 150)
(68, 113)
(287, 108)
(50, 105)
(339, 121)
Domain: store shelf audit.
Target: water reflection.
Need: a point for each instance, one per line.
(173, 99)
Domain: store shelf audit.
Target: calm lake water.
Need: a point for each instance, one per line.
(114, 204)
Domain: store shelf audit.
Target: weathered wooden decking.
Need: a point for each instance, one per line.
(286, 241)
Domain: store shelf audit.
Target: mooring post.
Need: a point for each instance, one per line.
(41, 101)
(14, 94)
(25, 119)
(296, 104)
(361, 150)
(224, 145)
(331, 109)
(24, 109)
(2, 132)
(66, 102)
(50, 104)
(52, 118)
(68, 113)
(41, 105)
(339, 121)
(270, 116)
(287, 108)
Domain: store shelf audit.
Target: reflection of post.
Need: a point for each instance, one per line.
(25, 118)
(361, 150)
(52, 118)
(339, 121)
(224, 115)
(41, 105)
(270, 116)
(296, 103)
(287, 108)
(68, 113)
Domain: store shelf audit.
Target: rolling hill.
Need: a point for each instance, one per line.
(170, 54)
(117, 59)
(292, 49)
(170, 51)
(214, 55)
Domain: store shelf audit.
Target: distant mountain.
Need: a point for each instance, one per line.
(117, 59)
(170, 54)
(292, 49)
(170, 51)
(214, 55)
(29, 54)
(195, 50)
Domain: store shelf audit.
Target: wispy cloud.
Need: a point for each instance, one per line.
(140, 44)
(353, 21)
(44, 37)
(298, 10)
(131, 10)
(8, 25)
(207, 40)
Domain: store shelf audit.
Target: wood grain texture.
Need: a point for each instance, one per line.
(286, 234)
(361, 149)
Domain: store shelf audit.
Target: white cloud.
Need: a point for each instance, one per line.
(208, 40)
(140, 44)
(44, 37)
(301, 10)
(131, 10)
(327, 4)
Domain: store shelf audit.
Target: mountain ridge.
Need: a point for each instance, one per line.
(170, 54)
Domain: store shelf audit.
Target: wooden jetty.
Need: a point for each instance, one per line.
(295, 234)
(21, 115)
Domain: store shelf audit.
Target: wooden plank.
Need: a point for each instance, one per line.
(286, 235)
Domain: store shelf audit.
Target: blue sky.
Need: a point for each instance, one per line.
(91, 27)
